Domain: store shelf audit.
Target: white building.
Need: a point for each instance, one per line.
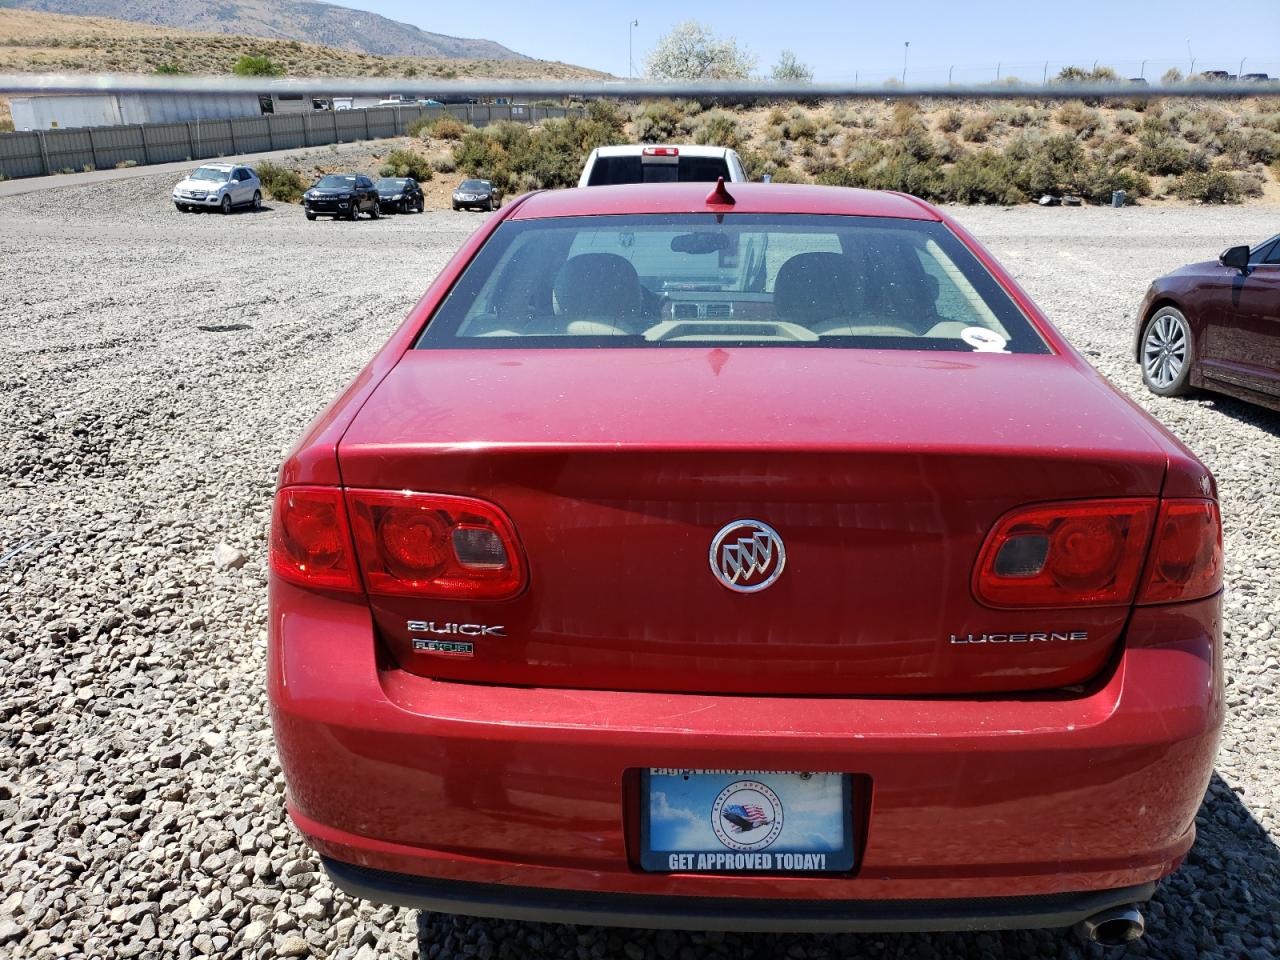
(58, 111)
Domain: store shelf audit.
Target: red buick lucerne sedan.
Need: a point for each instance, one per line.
(748, 560)
(1215, 326)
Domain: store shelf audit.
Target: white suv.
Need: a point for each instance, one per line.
(665, 163)
(218, 186)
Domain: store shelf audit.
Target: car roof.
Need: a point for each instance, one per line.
(642, 198)
(220, 166)
(686, 150)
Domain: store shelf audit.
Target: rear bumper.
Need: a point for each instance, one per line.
(998, 797)
(724, 913)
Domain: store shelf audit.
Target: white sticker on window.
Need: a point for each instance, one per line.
(983, 340)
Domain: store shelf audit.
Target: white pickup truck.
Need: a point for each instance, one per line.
(666, 163)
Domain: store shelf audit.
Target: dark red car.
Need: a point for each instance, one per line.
(761, 560)
(1215, 326)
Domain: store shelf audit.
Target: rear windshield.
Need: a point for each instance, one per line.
(609, 171)
(833, 281)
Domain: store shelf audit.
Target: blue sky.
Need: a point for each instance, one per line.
(844, 41)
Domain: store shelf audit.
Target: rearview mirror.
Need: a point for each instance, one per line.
(1237, 257)
(702, 242)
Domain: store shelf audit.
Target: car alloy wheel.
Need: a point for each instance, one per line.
(1166, 353)
(257, 199)
(226, 203)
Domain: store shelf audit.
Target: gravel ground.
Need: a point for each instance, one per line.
(156, 367)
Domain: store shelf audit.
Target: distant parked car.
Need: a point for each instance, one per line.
(1215, 326)
(670, 163)
(400, 195)
(477, 194)
(342, 195)
(218, 186)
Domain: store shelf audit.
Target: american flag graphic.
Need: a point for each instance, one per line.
(745, 816)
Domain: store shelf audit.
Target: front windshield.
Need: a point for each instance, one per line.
(336, 182)
(211, 173)
(474, 185)
(1268, 251)
(392, 183)
(766, 279)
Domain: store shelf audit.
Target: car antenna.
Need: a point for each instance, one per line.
(720, 196)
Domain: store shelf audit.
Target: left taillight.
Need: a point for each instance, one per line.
(310, 539)
(395, 543)
(434, 545)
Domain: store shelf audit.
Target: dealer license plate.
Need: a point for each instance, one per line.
(745, 821)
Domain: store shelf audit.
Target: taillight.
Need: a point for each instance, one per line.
(310, 544)
(1081, 553)
(1186, 556)
(432, 545)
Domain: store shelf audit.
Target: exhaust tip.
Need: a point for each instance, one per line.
(1113, 928)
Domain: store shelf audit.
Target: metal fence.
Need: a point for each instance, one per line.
(38, 152)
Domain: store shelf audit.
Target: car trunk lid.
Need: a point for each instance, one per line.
(881, 471)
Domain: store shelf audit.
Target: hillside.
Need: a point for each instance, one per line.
(1167, 153)
(31, 42)
(319, 23)
(951, 152)
(35, 42)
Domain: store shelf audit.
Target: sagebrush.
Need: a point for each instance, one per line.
(281, 183)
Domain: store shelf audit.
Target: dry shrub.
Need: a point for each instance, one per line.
(978, 128)
(949, 121)
(1079, 119)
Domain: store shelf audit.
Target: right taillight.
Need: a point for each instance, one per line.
(1101, 553)
(1070, 554)
(1186, 553)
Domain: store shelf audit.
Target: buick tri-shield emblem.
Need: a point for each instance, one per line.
(747, 555)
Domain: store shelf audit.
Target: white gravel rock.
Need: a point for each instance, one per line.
(226, 557)
(155, 369)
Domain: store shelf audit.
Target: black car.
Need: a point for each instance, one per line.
(480, 194)
(342, 195)
(400, 195)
